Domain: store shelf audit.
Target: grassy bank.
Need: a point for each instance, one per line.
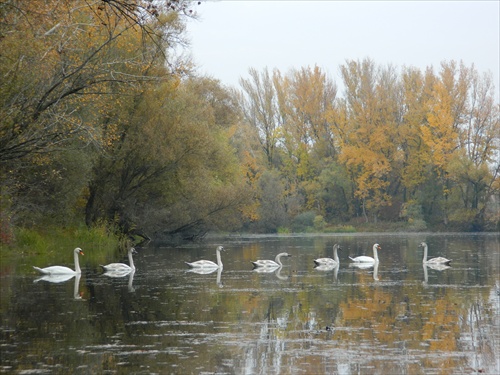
(53, 245)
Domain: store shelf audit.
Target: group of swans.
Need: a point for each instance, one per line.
(263, 264)
(62, 273)
(207, 266)
(325, 263)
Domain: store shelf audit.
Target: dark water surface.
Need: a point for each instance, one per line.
(399, 318)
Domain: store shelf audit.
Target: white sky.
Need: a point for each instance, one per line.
(231, 36)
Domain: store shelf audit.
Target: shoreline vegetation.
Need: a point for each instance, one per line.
(100, 241)
(44, 246)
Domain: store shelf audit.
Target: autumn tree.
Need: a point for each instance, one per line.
(305, 98)
(475, 168)
(414, 145)
(260, 107)
(445, 113)
(59, 57)
(368, 136)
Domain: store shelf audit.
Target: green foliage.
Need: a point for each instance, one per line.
(182, 183)
(31, 240)
(304, 222)
(272, 213)
(319, 223)
(49, 189)
(283, 230)
(341, 229)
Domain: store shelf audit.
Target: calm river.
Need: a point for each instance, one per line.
(399, 318)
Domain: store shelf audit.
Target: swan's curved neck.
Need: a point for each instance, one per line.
(425, 253)
(278, 260)
(375, 254)
(219, 261)
(77, 263)
(335, 255)
(131, 259)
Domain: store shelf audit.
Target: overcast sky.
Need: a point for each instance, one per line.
(232, 36)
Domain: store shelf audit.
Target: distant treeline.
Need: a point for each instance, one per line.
(102, 123)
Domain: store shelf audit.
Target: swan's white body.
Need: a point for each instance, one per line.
(271, 263)
(438, 260)
(329, 261)
(121, 268)
(365, 259)
(208, 263)
(61, 270)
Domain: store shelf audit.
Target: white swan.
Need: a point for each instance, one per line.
(208, 263)
(365, 259)
(438, 260)
(271, 263)
(329, 261)
(122, 267)
(61, 270)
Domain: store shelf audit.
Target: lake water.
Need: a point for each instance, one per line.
(400, 318)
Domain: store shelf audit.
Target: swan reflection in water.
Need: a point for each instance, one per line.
(364, 266)
(436, 267)
(56, 279)
(122, 273)
(206, 271)
(118, 273)
(329, 267)
(61, 278)
(275, 270)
